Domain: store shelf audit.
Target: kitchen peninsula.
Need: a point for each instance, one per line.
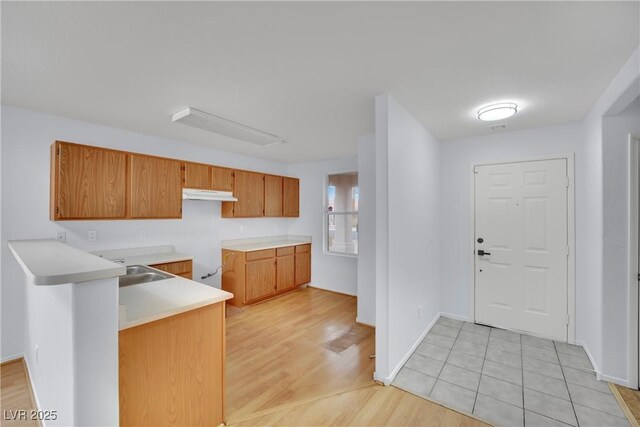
(103, 341)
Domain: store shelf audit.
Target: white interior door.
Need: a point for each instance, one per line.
(521, 247)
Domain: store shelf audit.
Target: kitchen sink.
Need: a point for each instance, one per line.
(138, 269)
(137, 274)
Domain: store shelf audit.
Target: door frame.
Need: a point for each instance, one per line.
(633, 268)
(571, 235)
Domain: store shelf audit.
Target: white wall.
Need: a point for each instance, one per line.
(412, 158)
(601, 310)
(95, 346)
(26, 137)
(367, 230)
(592, 314)
(75, 367)
(456, 160)
(332, 272)
(616, 239)
(51, 328)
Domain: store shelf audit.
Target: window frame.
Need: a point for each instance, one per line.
(325, 214)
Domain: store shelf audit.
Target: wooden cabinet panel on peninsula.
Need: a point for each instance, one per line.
(156, 187)
(171, 371)
(254, 276)
(87, 182)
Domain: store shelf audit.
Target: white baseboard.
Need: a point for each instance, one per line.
(615, 380)
(455, 317)
(415, 345)
(33, 389)
(599, 375)
(591, 359)
(11, 358)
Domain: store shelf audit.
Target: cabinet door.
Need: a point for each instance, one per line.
(197, 175)
(272, 195)
(88, 182)
(303, 268)
(177, 268)
(260, 279)
(156, 187)
(249, 189)
(221, 179)
(286, 272)
(291, 197)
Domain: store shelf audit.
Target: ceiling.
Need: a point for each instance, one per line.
(308, 71)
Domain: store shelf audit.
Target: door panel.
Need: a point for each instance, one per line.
(291, 197)
(521, 215)
(303, 268)
(272, 195)
(286, 272)
(91, 182)
(261, 279)
(221, 179)
(156, 187)
(197, 175)
(249, 189)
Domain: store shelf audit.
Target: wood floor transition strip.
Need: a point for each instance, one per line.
(623, 404)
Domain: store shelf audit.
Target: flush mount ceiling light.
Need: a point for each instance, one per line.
(500, 111)
(199, 119)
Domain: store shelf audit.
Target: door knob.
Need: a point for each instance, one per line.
(481, 252)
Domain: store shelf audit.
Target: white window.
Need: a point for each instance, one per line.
(341, 213)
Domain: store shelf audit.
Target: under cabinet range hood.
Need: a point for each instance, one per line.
(195, 194)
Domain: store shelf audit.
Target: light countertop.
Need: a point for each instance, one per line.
(151, 301)
(144, 256)
(51, 262)
(259, 243)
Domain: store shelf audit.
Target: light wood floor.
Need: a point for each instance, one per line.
(632, 399)
(298, 360)
(15, 393)
(304, 344)
(372, 405)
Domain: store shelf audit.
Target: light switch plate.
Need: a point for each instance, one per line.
(92, 235)
(61, 236)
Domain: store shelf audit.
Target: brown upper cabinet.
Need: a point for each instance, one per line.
(273, 195)
(197, 175)
(87, 182)
(156, 187)
(221, 178)
(248, 187)
(290, 197)
(93, 183)
(207, 177)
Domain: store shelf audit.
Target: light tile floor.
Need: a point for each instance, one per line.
(508, 379)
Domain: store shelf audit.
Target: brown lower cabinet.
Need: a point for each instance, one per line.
(303, 264)
(171, 371)
(254, 276)
(179, 268)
